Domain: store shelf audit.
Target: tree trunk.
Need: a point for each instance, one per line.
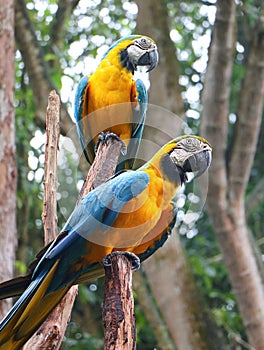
(178, 299)
(169, 276)
(227, 188)
(166, 110)
(8, 174)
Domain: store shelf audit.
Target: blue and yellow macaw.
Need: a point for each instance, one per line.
(110, 102)
(131, 212)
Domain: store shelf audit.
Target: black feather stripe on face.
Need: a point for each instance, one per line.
(171, 171)
(125, 62)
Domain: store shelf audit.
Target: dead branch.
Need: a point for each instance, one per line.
(49, 215)
(118, 308)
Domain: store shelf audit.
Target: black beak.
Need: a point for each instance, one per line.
(198, 163)
(149, 58)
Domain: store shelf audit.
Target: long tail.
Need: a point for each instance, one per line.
(14, 287)
(30, 311)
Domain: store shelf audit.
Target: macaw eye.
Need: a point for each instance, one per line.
(192, 142)
(144, 43)
(189, 144)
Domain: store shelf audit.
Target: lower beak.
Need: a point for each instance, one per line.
(149, 58)
(198, 163)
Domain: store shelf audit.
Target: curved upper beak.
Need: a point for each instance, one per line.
(199, 162)
(149, 58)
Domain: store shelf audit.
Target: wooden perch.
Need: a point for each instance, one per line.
(103, 167)
(51, 332)
(118, 309)
(49, 215)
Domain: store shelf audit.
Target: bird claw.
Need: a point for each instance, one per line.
(105, 136)
(134, 259)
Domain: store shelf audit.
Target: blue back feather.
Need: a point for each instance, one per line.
(97, 210)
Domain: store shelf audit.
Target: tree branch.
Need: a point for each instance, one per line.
(36, 67)
(249, 114)
(215, 100)
(168, 94)
(58, 28)
(49, 215)
(8, 168)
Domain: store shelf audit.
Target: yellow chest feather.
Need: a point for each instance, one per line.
(109, 85)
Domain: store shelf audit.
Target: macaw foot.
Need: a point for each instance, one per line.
(105, 136)
(134, 259)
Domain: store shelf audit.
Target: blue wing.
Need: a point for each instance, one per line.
(97, 210)
(78, 108)
(139, 118)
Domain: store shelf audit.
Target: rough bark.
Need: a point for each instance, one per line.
(104, 167)
(170, 278)
(49, 215)
(118, 309)
(227, 188)
(8, 173)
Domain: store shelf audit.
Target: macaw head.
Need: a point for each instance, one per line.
(185, 154)
(134, 51)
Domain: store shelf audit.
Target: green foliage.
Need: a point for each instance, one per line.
(145, 338)
(76, 339)
(212, 279)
